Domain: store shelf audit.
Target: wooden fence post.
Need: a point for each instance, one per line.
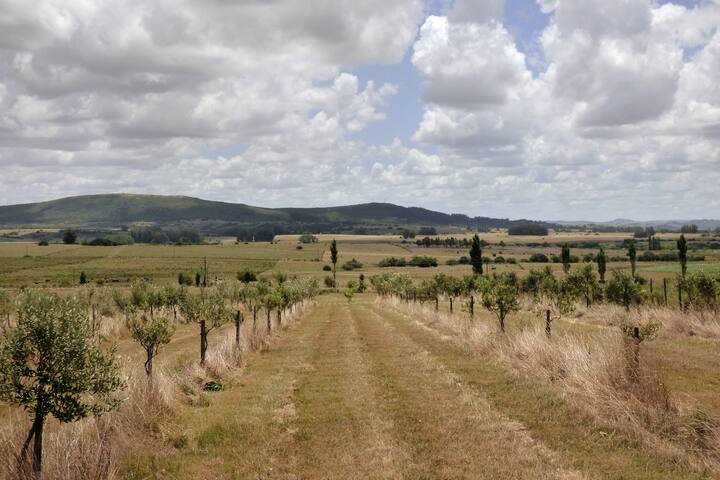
(472, 306)
(635, 367)
(665, 291)
(548, 324)
(680, 300)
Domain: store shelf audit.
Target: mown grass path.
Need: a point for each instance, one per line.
(357, 391)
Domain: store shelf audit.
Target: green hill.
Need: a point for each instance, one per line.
(114, 210)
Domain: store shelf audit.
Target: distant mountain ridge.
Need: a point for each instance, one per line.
(112, 210)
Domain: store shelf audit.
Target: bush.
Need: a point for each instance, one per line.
(423, 262)
(392, 262)
(101, 242)
(247, 276)
(538, 258)
(43, 243)
(307, 238)
(329, 282)
(351, 265)
(69, 236)
(327, 268)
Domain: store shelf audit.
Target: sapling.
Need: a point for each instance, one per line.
(50, 366)
(151, 333)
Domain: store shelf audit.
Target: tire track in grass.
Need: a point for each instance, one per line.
(343, 429)
(451, 430)
(541, 409)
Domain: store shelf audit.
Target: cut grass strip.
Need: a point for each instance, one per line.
(596, 452)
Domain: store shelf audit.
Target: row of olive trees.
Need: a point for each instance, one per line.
(500, 293)
(52, 363)
(147, 307)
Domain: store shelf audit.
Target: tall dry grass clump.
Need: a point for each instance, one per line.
(703, 323)
(92, 448)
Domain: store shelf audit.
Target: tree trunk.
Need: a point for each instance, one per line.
(203, 342)
(451, 304)
(254, 320)
(149, 363)
(680, 300)
(22, 458)
(37, 447)
(635, 360)
(279, 317)
(269, 321)
(472, 306)
(502, 319)
(238, 321)
(437, 304)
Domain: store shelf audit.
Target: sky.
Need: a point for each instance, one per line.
(547, 109)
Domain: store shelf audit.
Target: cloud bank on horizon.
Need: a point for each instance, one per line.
(611, 108)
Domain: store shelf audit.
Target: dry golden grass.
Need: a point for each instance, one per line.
(592, 370)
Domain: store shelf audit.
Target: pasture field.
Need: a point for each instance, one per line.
(380, 385)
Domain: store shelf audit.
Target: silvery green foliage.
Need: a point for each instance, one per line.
(50, 364)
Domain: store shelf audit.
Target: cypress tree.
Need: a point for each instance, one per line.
(565, 257)
(334, 257)
(602, 264)
(476, 256)
(632, 254)
(682, 254)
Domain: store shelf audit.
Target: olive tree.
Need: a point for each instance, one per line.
(623, 289)
(500, 296)
(50, 366)
(209, 312)
(584, 282)
(151, 333)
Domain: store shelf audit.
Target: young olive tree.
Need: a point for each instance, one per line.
(209, 312)
(584, 282)
(635, 335)
(250, 296)
(50, 366)
(500, 296)
(151, 333)
(623, 289)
